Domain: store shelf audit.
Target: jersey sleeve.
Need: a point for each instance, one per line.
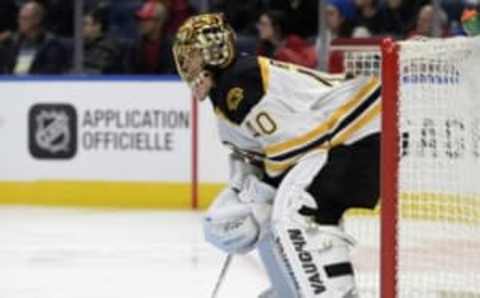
(239, 90)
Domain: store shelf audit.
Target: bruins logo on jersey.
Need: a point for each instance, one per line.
(234, 98)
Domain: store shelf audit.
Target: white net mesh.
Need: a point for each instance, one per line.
(359, 56)
(439, 172)
(364, 63)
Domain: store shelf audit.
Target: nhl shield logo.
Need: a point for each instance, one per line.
(53, 131)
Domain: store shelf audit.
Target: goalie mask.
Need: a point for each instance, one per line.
(203, 42)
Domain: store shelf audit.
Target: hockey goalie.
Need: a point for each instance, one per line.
(305, 148)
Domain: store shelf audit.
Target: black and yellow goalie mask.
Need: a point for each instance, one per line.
(203, 42)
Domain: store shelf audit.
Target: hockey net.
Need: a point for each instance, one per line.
(428, 241)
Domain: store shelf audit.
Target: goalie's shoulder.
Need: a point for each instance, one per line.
(238, 88)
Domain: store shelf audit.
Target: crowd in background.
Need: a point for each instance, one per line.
(135, 36)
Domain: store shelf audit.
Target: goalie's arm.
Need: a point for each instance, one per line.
(236, 219)
(235, 222)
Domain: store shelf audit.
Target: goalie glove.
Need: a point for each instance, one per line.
(236, 221)
(240, 169)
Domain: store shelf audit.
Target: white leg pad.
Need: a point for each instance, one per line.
(313, 260)
(315, 268)
(282, 286)
(307, 260)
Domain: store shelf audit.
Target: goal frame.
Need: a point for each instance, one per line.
(388, 49)
(392, 62)
(389, 170)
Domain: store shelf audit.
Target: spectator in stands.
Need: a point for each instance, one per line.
(242, 15)
(122, 22)
(180, 10)
(33, 50)
(454, 11)
(302, 15)
(102, 54)
(59, 17)
(340, 23)
(8, 12)
(369, 17)
(276, 43)
(152, 52)
(425, 25)
(340, 18)
(399, 16)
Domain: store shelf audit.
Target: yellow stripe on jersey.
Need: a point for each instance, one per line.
(275, 168)
(350, 105)
(358, 124)
(264, 64)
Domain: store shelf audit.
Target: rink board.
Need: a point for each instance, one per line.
(106, 194)
(105, 141)
(154, 112)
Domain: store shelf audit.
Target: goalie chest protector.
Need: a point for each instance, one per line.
(279, 111)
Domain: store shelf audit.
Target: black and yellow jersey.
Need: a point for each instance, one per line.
(279, 112)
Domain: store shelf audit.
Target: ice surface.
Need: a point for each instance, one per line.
(57, 253)
(67, 253)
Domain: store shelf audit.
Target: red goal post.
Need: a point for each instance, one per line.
(429, 227)
(389, 170)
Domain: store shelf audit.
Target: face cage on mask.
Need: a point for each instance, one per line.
(216, 50)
